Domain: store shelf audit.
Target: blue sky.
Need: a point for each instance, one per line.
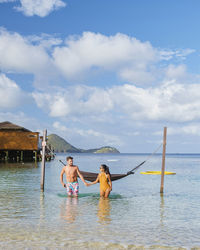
(109, 72)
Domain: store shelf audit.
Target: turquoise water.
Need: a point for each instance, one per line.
(134, 217)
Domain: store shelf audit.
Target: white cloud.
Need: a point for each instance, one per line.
(42, 99)
(13, 117)
(58, 126)
(20, 55)
(45, 41)
(184, 53)
(135, 61)
(176, 72)
(179, 53)
(96, 114)
(108, 53)
(40, 8)
(138, 76)
(126, 57)
(59, 107)
(55, 104)
(7, 1)
(168, 102)
(10, 93)
(191, 129)
(79, 100)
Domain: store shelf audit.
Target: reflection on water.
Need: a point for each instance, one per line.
(69, 209)
(42, 207)
(162, 209)
(104, 210)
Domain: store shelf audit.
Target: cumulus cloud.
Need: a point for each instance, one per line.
(126, 57)
(135, 61)
(168, 102)
(179, 53)
(7, 1)
(19, 55)
(81, 100)
(89, 109)
(40, 8)
(10, 93)
(137, 76)
(178, 72)
(60, 127)
(25, 56)
(108, 53)
(190, 129)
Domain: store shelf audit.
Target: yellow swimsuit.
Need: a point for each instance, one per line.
(103, 182)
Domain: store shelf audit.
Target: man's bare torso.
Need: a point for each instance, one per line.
(71, 173)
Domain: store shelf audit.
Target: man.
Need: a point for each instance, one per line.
(72, 172)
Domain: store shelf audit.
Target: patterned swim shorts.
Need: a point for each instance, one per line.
(72, 188)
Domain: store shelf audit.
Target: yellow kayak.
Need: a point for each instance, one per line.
(157, 172)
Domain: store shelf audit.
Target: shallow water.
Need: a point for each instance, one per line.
(134, 217)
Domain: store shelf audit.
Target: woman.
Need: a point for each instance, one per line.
(105, 181)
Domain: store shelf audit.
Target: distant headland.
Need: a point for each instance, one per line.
(61, 145)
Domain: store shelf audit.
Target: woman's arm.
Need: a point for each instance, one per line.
(94, 182)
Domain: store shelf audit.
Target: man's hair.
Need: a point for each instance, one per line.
(69, 158)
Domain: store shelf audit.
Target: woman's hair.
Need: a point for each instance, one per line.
(106, 169)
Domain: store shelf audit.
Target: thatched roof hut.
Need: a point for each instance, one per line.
(15, 137)
(5, 126)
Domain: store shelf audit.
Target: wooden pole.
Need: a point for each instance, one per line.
(163, 160)
(43, 160)
(35, 156)
(7, 156)
(21, 156)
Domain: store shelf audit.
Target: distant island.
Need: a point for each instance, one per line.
(60, 145)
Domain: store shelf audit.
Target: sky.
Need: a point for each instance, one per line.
(103, 72)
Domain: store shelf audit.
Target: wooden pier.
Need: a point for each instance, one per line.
(18, 144)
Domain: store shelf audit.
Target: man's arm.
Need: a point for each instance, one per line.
(81, 176)
(61, 177)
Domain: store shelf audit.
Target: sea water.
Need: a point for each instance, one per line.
(135, 216)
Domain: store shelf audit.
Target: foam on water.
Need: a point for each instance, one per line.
(112, 160)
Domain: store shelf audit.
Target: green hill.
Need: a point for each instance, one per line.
(61, 145)
(102, 150)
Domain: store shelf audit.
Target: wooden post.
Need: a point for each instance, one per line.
(163, 160)
(22, 156)
(43, 159)
(7, 156)
(35, 156)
